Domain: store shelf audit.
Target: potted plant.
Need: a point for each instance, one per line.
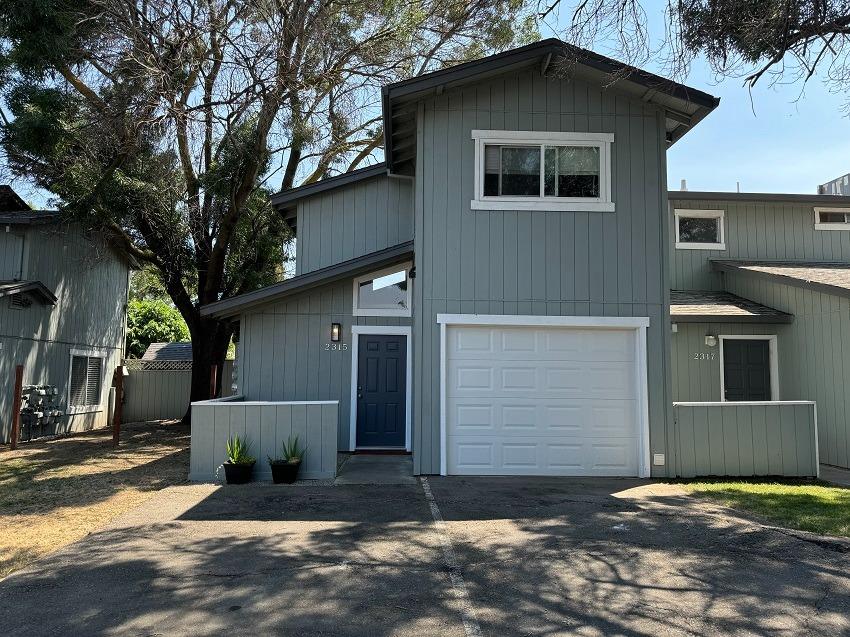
(285, 468)
(240, 464)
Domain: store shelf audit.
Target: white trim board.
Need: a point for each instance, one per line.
(638, 323)
(820, 225)
(773, 354)
(388, 330)
(699, 214)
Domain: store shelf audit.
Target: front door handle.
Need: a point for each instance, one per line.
(359, 396)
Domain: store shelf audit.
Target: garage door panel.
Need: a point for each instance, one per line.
(535, 457)
(541, 401)
(550, 417)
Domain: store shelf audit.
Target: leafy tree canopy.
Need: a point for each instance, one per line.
(153, 321)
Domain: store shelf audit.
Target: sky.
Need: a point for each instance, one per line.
(781, 139)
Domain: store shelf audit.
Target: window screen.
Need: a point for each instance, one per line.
(85, 380)
(699, 230)
(572, 171)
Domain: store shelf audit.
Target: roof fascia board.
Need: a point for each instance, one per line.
(694, 195)
(732, 318)
(284, 197)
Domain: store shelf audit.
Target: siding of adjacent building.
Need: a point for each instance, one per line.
(812, 351)
(353, 220)
(91, 285)
(539, 263)
(767, 230)
(285, 355)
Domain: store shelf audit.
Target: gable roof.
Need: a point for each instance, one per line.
(10, 201)
(832, 278)
(177, 351)
(347, 269)
(34, 289)
(685, 106)
(28, 217)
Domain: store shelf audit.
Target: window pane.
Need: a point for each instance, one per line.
(492, 163)
(521, 171)
(572, 171)
(386, 292)
(699, 230)
(79, 369)
(833, 217)
(93, 381)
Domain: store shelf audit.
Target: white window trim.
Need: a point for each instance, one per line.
(356, 310)
(85, 409)
(637, 323)
(383, 330)
(773, 353)
(701, 214)
(831, 226)
(603, 141)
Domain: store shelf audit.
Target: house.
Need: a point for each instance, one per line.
(760, 303)
(63, 300)
(494, 297)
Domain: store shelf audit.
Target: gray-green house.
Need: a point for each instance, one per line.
(494, 297)
(761, 303)
(63, 300)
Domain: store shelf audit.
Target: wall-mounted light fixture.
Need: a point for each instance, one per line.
(710, 340)
(336, 332)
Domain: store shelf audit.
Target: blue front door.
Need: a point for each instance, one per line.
(381, 390)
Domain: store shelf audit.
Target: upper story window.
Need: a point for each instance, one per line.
(524, 170)
(383, 293)
(700, 230)
(832, 218)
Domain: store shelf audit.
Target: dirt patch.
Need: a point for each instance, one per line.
(56, 492)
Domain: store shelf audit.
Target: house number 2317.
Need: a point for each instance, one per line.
(704, 356)
(336, 347)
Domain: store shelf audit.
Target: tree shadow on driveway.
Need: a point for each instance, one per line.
(539, 557)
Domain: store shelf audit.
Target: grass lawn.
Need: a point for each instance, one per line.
(814, 507)
(55, 492)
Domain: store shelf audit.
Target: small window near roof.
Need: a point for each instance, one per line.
(700, 230)
(383, 293)
(832, 218)
(526, 170)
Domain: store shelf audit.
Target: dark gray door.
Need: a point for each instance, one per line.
(746, 369)
(381, 390)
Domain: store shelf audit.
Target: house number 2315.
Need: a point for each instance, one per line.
(336, 347)
(704, 356)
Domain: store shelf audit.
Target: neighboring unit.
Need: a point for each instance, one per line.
(63, 300)
(760, 304)
(838, 186)
(492, 298)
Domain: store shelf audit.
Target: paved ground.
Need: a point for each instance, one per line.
(512, 557)
(836, 475)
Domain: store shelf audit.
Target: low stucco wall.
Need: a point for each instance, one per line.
(266, 426)
(746, 439)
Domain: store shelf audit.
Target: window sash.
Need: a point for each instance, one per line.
(86, 380)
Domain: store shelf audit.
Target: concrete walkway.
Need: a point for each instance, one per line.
(836, 475)
(507, 556)
(362, 468)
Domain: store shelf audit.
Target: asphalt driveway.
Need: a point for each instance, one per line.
(482, 556)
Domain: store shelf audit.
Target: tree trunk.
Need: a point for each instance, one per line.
(210, 339)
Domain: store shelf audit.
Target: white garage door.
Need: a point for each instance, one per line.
(541, 401)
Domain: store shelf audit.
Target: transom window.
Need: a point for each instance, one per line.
(700, 230)
(832, 218)
(542, 171)
(383, 293)
(84, 391)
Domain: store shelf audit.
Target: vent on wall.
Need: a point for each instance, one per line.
(19, 301)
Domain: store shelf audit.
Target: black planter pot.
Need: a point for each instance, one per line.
(285, 472)
(238, 473)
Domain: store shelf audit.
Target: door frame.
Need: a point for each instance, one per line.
(381, 330)
(773, 363)
(637, 323)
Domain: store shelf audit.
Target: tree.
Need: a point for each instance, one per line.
(153, 321)
(165, 122)
(787, 40)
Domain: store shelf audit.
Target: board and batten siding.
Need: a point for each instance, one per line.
(91, 286)
(754, 230)
(284, 355)
(746, 439)
(11, 254)
(353, 220)
(537, 262)
(265, 427)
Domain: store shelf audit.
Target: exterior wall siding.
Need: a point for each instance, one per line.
(283, 355)
(537, 263)
(91, 285)
(754, 230)
(746, 440)
(812, 354)
(353, 220)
